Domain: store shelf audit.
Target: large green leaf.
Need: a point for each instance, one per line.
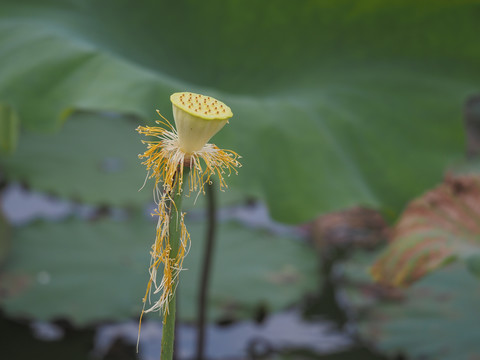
(9, 128)
(436, 318)
(335, 103)
(91, 271)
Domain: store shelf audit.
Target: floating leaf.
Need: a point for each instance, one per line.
(78, 270)
(92, 159)
(325, 94)
(92, 271)
(442, 224)
(251, 269)
(435, 318)
(473, 264)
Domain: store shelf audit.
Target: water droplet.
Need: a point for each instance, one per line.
(43, 277)
(112, 164)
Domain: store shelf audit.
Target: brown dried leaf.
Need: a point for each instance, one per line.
(435, 228)
(355, 227)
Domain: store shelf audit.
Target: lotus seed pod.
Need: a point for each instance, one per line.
(197, 118)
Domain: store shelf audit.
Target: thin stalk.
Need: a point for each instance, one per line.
(168, 331)
(206, 267)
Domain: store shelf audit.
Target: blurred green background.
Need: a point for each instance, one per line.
(336, 104)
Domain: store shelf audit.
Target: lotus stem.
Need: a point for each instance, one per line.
(168, 331)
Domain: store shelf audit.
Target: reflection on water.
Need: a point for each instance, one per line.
(278, 332)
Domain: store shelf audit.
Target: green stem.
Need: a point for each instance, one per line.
(206, 269)
(168, 331)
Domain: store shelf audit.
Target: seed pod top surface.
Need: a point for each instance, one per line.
(205, 107)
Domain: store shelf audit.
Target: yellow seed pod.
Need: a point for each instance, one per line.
(197, 118)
